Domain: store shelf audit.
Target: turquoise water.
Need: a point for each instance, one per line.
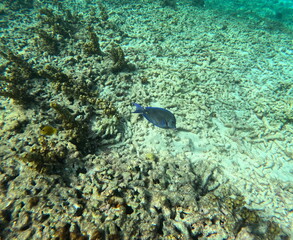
(77, 163)
(279, 11)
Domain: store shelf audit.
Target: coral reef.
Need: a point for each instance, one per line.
(114, 201)
(47, 156)
(106, 175)
(58, 24)
(77, 132)
(16, 82)
(26, 69)
(120, 63)
(93, 46)
(54, 74)
(13, 87)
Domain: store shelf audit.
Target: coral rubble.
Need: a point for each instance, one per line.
(76, 164)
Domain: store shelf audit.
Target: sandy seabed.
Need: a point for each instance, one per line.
(225, 173)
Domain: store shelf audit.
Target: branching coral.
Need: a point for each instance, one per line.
(54, 74)
(26, 69)
(93, 46)
(120, 63)
(65, 83)
(78, 132)
(59, 24)
(46, 156)
(15, 83)
(15, 88)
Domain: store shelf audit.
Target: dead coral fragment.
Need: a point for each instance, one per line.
(120, 63)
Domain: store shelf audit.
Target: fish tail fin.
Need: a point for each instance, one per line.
(139, 109)
(55, 131)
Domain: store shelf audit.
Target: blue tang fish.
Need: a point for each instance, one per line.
(160, 117)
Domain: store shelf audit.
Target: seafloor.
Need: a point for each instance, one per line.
(76, 163)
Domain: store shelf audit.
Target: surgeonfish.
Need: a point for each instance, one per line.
(160, 117)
